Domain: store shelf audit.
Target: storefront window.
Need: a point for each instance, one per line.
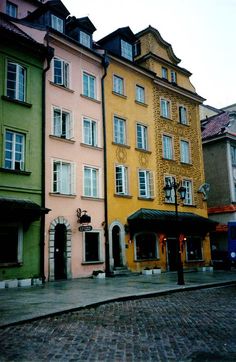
(194, 248)
(146, 246)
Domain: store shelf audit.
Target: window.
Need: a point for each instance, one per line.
(233, 154)
(140, 94)
(89, 83)
(16, 81)
(167, 147)
(90, 182)
(184, 151)
(85, 39)
(119, 131)
(169, 181)
(126, 50)
(14, 150)
(194, 248)
(188, 198)
(57, 23)
(11, 236)
(146, 246)
(164, 73)
(11, 9)
(92, 246)
(62, 123)
(90, 132)
(141, 137)
(61, 72)
(118, 85)
(183, 115)
(165, 108)
(121, 180)
(173, 76)
(146, 184)
(63, 177)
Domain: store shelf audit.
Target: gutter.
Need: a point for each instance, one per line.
(49, 56)
(105, 63)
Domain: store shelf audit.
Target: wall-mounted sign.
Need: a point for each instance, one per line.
(85, 228)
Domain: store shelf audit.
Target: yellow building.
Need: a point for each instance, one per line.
(153, 139)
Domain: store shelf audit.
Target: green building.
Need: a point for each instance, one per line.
(21, 155)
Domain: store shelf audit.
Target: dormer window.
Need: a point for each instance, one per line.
(11, 9)
(126, 50)
(85, 39)
(57, 23)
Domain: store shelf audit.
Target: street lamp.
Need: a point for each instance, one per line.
(182, 193)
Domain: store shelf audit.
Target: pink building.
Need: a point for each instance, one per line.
(73, 143)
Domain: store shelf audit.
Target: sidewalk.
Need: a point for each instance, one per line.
(23, 304)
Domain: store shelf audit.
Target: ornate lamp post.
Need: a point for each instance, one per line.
(182, 193)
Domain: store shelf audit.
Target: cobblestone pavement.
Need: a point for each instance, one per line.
(186, 326)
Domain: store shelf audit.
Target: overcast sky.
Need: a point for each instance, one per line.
(202, 34)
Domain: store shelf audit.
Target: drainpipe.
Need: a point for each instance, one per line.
(105, 63)
(49, 56)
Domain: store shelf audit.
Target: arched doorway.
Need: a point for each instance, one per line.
(60, 235)
(60, 252)
(116, 247)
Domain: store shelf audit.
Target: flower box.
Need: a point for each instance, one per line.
(156, 271)
(37, 281)
(24, 282)
(99, 274)
(11, 283)
(147, 271)
(2, 284)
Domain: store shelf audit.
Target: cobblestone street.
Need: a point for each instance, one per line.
(185, 326)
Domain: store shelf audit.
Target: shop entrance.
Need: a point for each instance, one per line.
(60, 252)
(172, 254)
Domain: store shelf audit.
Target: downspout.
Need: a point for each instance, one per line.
(105, 63)
(49, 56)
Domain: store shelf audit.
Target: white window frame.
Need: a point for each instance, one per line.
(188, 184)
(233, 154)
(89, 85)
(62, 123)
(118, 84)
(140, 94)
(57, 23)
(126, 50)
(11, 9)
(19, 250)
(142, 136)
(100, 253)
(165, 108)
(164, 73)
(169, 179)
(183, 116)
(184, 151)
(62, 78)
(168, 151)
(121, 182)
(85, 39)
(173, 76)
(119, 129)
(18, 89)
(146, 184)
(17, 150)
(63, 181)
(90, 132)
(91, 182)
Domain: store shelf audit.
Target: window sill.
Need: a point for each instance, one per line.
(166, 118)
(123, 196)
(184, 124)
(143, 150)
(92, 262)
(16, 101)
(145, 260)
(70, 196)
(119, 95)
(67, 140)
(146, 198)
(90, 146)
(120, 145)
(92, 198)
(141, 103)
(186, 163)
(195, 261)
(9, 265)
(91, 99)
(15, 172)
(61, 87)
(189, 205)
(168, 159)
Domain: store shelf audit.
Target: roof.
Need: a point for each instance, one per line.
(7, 25)
(166, 221)
(125, 32)
(217, 125)
(84, 23)
(54, 5)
